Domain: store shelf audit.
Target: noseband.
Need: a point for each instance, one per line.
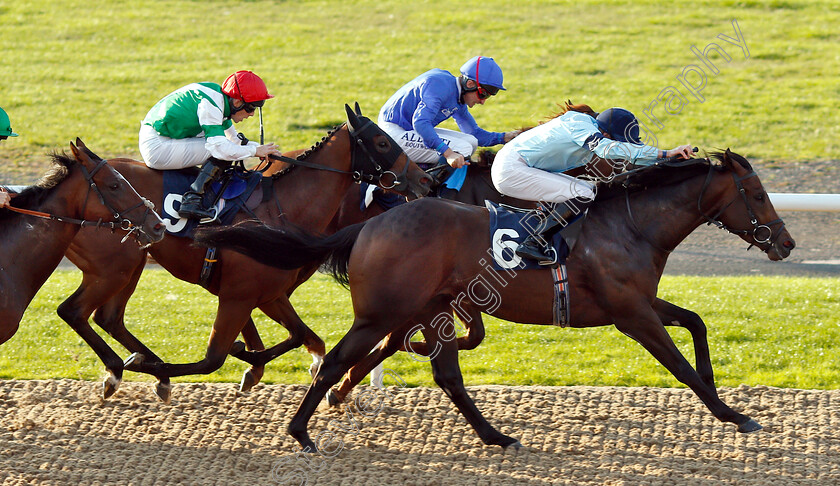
(758, 231)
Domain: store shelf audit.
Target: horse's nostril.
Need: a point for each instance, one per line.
(788, 244)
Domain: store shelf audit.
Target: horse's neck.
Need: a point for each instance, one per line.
(33, 246)
(311, 197)
(667, 215)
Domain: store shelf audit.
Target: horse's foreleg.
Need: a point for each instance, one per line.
(354, 346)
(447, 374)
(75, 311)
(672, 315)
(110, 316)
(650, 333)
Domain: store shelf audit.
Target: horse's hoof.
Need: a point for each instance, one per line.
(332, 398)
(236, 348)
(110, 385)
(248, 382)
(516, 445)
(133, 362)
(164, 392)
(749, 426)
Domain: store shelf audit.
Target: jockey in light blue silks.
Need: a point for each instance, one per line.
(531, 166)
(412, 114)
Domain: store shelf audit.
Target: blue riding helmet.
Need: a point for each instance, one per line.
(484, 71)
(620, 124)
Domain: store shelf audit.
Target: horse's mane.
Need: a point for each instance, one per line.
(34, 195)
(311, 150)
(655, 176)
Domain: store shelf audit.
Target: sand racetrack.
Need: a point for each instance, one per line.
(61, 432)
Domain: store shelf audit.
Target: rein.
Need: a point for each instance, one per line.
(358, 173)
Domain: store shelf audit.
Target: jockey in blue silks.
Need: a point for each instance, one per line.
(412, 114)
(531, 166)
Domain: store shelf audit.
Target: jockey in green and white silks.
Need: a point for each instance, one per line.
(194, 125)
(412, 114)
(531, 166)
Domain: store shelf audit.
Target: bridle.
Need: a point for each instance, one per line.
(366, 164)
(758, 229)
(121, 221)
(754, 232)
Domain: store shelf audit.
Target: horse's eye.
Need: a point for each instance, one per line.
(114, 186)
(760, 197)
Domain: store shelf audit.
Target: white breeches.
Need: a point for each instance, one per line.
(166, 153)
(413, 146)
(513, 177)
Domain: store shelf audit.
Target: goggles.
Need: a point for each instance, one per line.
(252, 106)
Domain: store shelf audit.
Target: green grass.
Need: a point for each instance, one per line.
(782, 332)
(93, 69)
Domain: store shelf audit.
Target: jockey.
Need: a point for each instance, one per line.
(412, 113)
(531, 167)
(194, 125)
(5, 132)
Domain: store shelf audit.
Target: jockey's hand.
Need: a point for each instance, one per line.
(4, 198)
(264, 151)
(511, 135)
(683, 150)
(454, 159)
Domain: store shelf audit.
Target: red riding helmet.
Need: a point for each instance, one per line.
(245, 86)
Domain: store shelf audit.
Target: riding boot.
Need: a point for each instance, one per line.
(536, 244)
(192, 204)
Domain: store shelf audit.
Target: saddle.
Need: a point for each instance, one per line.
(229, 194)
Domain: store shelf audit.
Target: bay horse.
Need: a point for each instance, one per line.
(307, 194)
(442, 248)
(41, 221)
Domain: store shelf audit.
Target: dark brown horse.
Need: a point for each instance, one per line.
(85, 192)
(442, 248)
(304, 195)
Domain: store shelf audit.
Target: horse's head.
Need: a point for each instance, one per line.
(749, 212)
(384, 163)
(134, 213)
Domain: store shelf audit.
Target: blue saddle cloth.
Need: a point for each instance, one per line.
(176, 182)
(374, 194)
(510, 228)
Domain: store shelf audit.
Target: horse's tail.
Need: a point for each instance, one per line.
(288, 248)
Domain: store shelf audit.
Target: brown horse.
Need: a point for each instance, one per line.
(442, 248)
(307, 195)
(85, 192)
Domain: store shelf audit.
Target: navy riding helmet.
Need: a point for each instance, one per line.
(620, 124)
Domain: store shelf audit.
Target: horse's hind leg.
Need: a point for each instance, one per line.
(354, 346)
(672, 315)
(447, 374)
(280, 310)
(391, 344)
(254, 374)
(650, 333)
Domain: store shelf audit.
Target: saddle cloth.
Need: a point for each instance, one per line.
(510, 228)
(237, 186)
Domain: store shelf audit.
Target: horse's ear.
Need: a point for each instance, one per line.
(79, 143)
(352, 119)
(358, 110)
(74, 149)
